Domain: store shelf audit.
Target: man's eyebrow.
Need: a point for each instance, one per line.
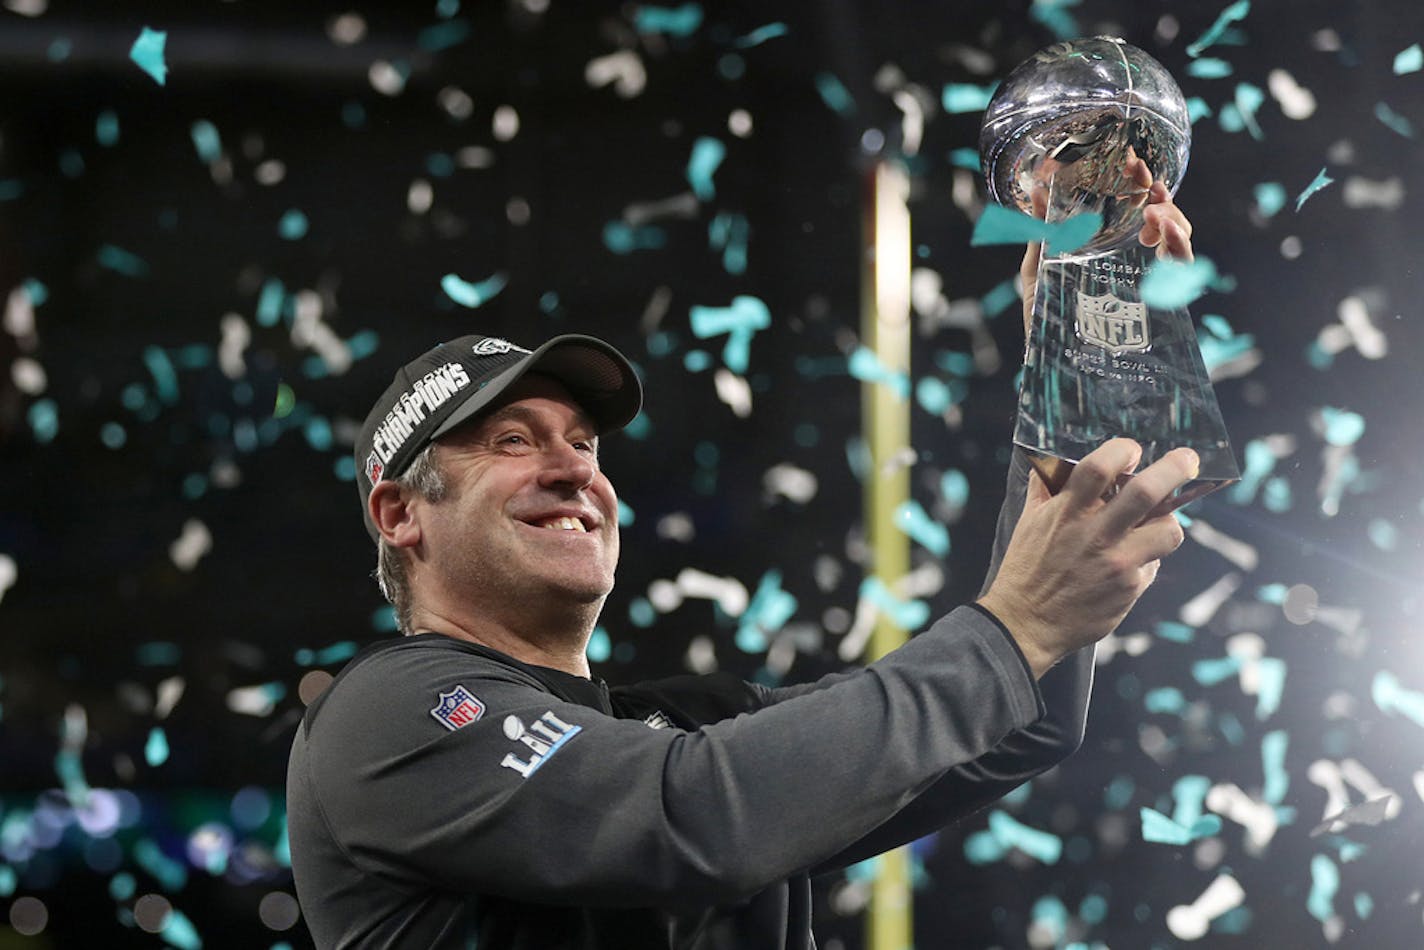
(532, 419)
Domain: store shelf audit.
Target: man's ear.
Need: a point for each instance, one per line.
(394, 514)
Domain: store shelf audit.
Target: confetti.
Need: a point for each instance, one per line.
(674, 21)
(471, 295)
(1321, 180)
(1171, 284)
(1409, 60)
(1000, 225)
(707, 155)
(147, 52)
(1393, 120)
(1232, 14)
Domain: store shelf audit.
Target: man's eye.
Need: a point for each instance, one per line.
(589, 447)
(513, 440)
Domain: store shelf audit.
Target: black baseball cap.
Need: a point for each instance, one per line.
(453, 381)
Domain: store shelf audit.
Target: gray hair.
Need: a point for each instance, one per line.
(425, 478)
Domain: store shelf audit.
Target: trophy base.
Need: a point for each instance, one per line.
(1055, 471)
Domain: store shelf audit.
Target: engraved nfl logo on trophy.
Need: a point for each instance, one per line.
(1100, 361)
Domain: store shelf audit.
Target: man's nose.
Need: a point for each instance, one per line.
(567, 466)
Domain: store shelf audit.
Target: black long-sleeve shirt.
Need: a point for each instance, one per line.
(441, 794)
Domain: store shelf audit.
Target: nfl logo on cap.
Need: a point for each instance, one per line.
(457, 708)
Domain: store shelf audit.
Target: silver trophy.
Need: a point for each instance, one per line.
(1100, 362)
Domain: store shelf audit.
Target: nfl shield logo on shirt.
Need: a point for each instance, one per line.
(457, 708)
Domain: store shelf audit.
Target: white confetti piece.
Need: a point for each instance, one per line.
(734, 391)
(1201, 608)
(1387, 195)
(1295, 100)
(1243, 555)
(9, 573)
(790, 482)
(504, 124)
(1257, 817)
(1191, 921)
(191, 545)
(623, 70)
(28, 376)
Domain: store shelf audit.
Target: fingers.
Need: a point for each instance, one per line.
(1153, 540)
(1136, 170)
(1165, 227)
(1100, 469)
(1148, 488)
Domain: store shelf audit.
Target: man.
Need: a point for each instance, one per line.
(470, 784)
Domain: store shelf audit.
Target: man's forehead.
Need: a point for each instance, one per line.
(519, 401)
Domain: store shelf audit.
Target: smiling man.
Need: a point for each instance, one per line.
(471, 785)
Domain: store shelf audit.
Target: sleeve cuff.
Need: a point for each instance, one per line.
(1013, 644)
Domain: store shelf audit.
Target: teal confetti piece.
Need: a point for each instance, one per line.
(122, 262)
(1198, 108)
(1260, 462)
(1190, 792)
(1054, 15)
(447, 8)
(834, 94)
(1324, 882)
(912, 519)
(155, 750)
(338, 652)
(865, 366)
(740, 321)
(1157, 828)
(1321, 180)
(1176, 632)
(1003, 296)
(1209, 68)
(1391, 697)
(1342, 427)
(178, 931)
(293, 226)
(165, 379)
(1270, 198)
(1232, 14)
(1171, 284)
(122, 886)
(729, 234)
(966, 158)
(760, 35)
(147, 52)
(1409, 60)
(471, 295)
(954, 488)
(641, 613)
(170, 874)
(622, 238)
(1364, 903)
(1394, 120)
(1248, 99)
(1383, 534)
(983, 847)
(958, 97)
(707, 155)
(1000, 225)
(600, 647)
(1041, 845)
(769, 610)
(933, 395)
(625, 514)
(43, 416)
(1211, 672)
(905, 614)
(158, 653)
(206, 140)
(1165, 699)
(1271, 682)
(1050, 917)
(106, 128)
(8, 880)
(673, 21)
(1118, 794)
(443, 36)
(1273, 763)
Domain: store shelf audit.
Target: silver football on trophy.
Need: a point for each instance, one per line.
(1059, 131)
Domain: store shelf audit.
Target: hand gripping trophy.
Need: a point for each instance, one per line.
(1101, 362)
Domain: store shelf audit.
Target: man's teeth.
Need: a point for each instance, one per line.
(564, 524)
